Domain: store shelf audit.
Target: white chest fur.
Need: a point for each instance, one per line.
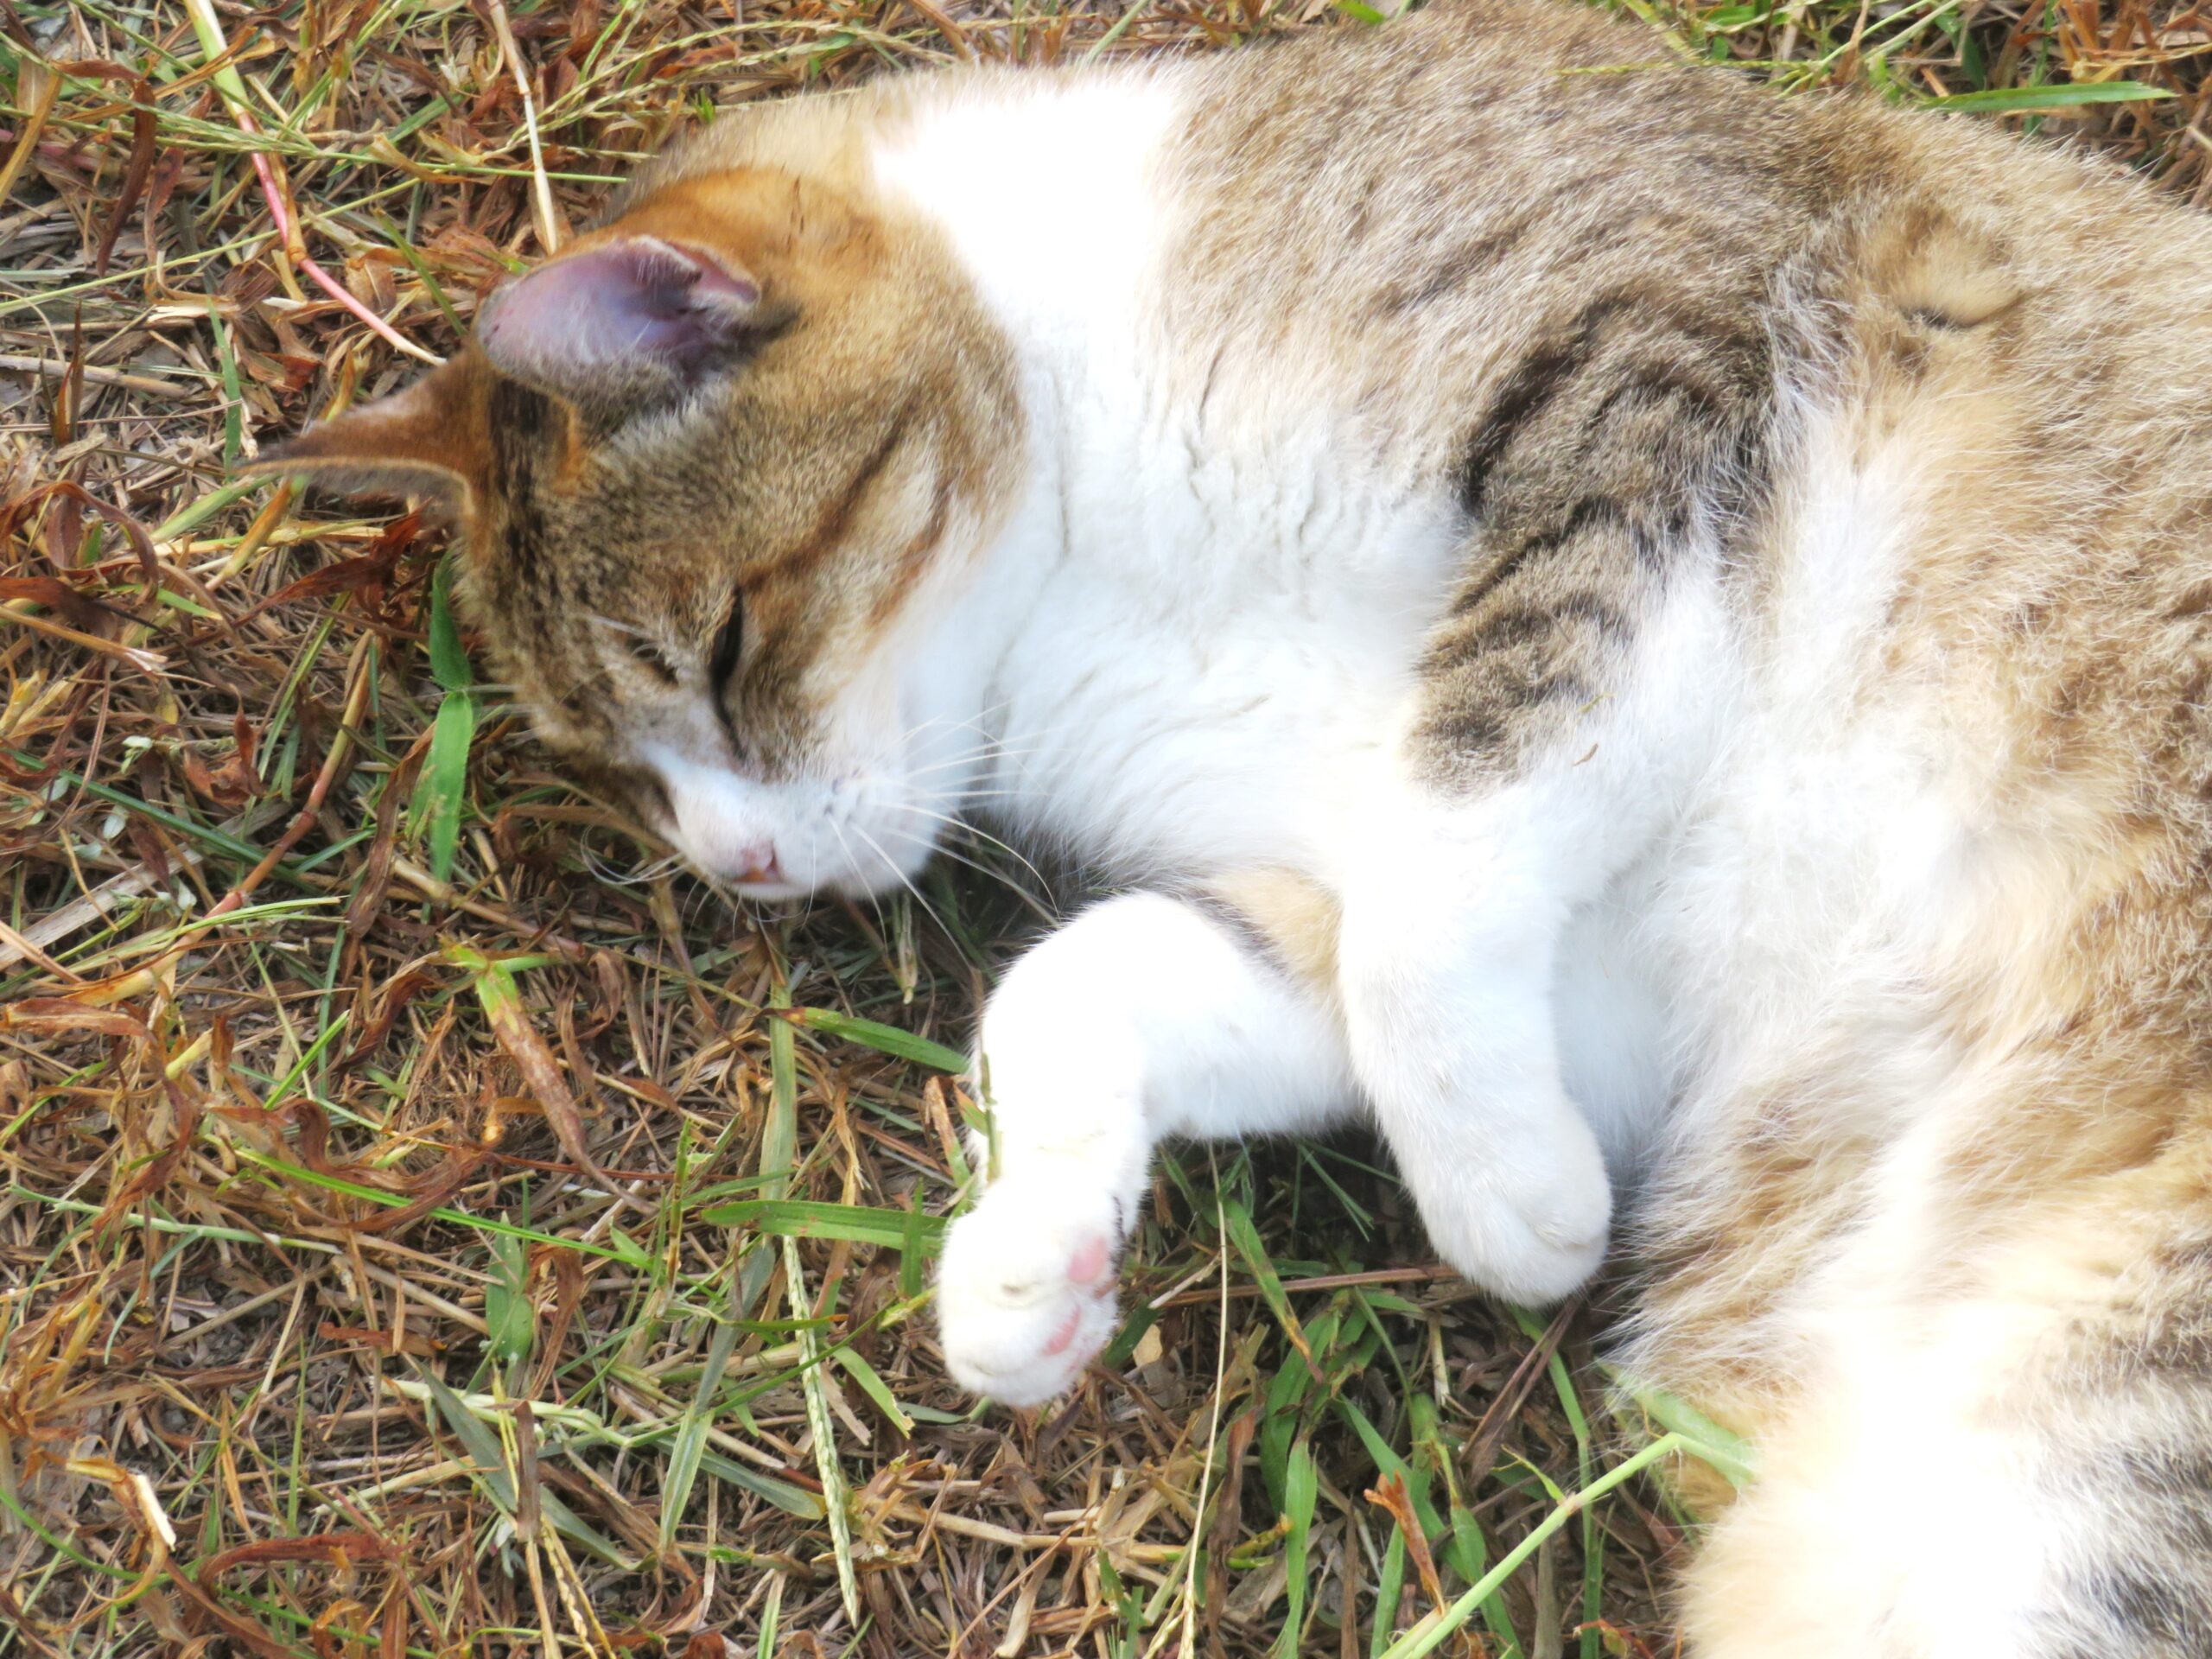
(1204, 646)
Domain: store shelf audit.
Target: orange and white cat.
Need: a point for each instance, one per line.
(1651, 639)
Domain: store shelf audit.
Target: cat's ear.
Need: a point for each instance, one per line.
(621, 325)
(427, 440)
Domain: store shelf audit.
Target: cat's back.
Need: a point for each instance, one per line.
(1411, 207)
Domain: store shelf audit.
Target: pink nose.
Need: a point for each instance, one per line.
(759, 864)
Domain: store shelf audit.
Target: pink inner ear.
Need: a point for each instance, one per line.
(594, 320)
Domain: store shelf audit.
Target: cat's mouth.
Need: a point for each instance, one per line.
(772, 842)
(760, 875)
(766, 881)
(755, 868)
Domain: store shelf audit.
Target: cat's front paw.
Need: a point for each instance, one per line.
(1025, 1291)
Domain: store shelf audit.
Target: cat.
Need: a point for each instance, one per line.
(1648, 636)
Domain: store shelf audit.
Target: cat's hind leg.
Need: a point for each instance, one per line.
(2013, 1465)
(1147, 1016)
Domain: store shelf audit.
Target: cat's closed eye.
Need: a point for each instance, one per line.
(729, 641)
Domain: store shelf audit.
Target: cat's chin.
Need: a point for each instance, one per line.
(830, 883)
(772, 892)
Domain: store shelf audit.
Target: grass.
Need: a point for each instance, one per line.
(427, 1227)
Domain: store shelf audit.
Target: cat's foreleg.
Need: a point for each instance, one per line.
(1563, 698)
(1147, 1016)
(1451, 929)
(1552, 745)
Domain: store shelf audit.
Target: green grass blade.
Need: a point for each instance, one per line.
(458, 1218)
(449, 657)
(780, 1136)
(1388, 1463)
(806, 1219)
(791, 1500)
(1998, 100)
(1236, 1222)
(1729, 1454)
(510, 1315)
(1433, 1630)
(482, 1442)
(778, 1151)
(873, 1385)
(1389, 1589)
(690, 1446)
(479, 1437)
(1303, 1488)
(885, 1039)
(771, 1614)
(444, 790)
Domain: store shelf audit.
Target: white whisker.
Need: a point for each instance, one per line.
(1036, 902)
(891, 864)
(983, 835)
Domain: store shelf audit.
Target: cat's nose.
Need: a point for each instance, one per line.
(758, 863)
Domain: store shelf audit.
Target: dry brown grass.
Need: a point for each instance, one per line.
(400, 1259)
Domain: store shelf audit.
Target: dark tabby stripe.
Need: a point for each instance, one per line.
(831, 526)
(1644, 349)
(2134, 1611)
(1595, 452)
(1454, 268)
(1530, 385)
(1597, 513)
(523, 425)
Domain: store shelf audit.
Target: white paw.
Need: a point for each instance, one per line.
(1536, 1261)
(1529, 1222)
(1025, 1292)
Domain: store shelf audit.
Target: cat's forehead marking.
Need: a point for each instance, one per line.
(834, 520)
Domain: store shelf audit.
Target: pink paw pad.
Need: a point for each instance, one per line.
(1089, 1263)
(1066, 1334)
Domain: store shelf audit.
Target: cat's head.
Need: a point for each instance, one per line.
(719, 471)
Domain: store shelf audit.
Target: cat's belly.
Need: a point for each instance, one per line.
(1795, 925)
(1829, 859)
